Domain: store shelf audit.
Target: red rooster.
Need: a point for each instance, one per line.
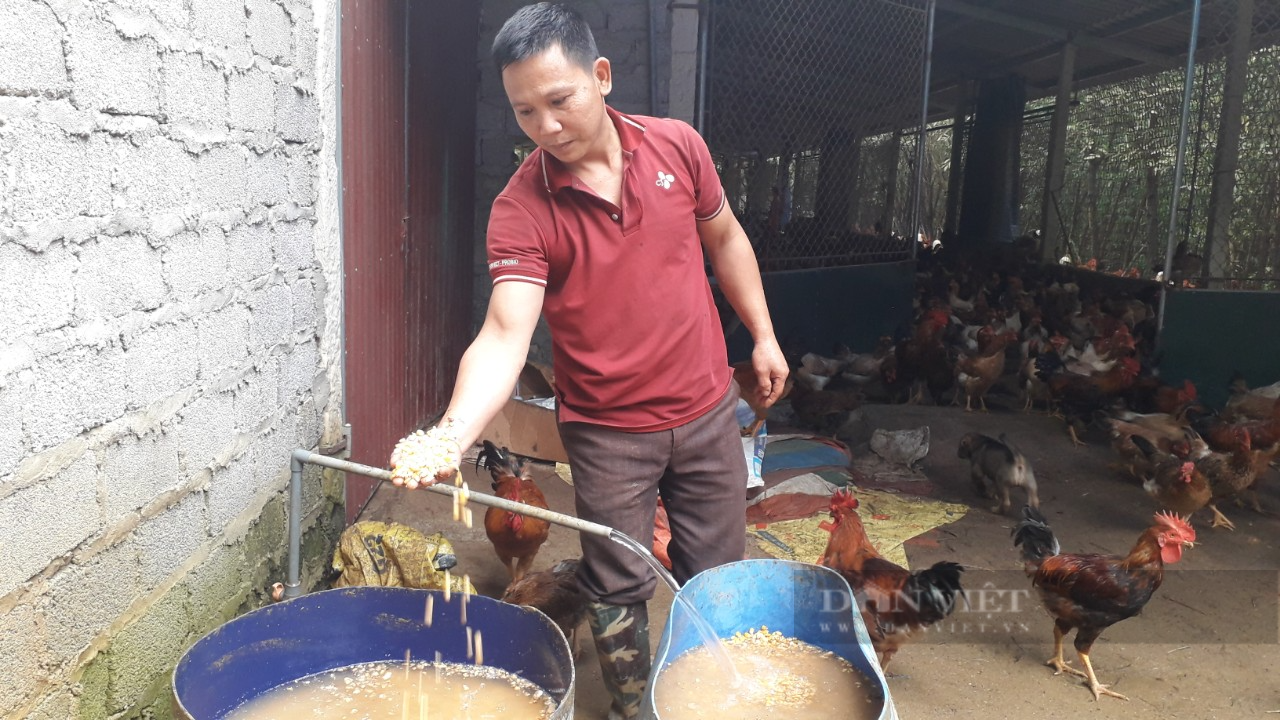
(516, 538)
(894, 601)
(1090, 593)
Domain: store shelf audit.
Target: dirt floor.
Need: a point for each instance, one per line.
(1206, 646)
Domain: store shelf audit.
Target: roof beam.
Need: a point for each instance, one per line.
(1115, 47)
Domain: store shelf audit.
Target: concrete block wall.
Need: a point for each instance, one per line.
(169, 262)
(622, 31)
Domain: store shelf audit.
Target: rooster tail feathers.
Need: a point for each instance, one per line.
(500, 461)
(1035, 536)
(1047, 364)
(934, 590)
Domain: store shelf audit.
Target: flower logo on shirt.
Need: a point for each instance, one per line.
(665, 180)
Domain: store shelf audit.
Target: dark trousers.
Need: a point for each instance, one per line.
(699, 471)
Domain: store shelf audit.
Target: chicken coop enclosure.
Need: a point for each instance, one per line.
(811, 110)
(1165, 142)
(1119, 137)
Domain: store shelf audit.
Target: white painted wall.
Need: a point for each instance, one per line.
(169, 256)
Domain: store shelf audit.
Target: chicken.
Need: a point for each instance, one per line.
(921, 361)
(1089, 593)
(895, 603)
(1230, 475)
(515, 537)
(825, 411)
(1225, 436)
(554, 592)
(1156, 427)
(1080, 396)
(1175, 483)
(1250, 404)
(1165, 433)
(1150, 395)
(1186, 266)
(867, 364)
(975, 374)
(1043, 359)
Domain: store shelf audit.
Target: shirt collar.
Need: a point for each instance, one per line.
(630, 134)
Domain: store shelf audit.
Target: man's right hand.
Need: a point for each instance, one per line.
(424, 458)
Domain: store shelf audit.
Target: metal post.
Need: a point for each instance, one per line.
(951, 220)
(653, 57)
(1226, 156)
(893, 154)
(1187, 87)
(704, 30)
(917, 191)
(1050, 222)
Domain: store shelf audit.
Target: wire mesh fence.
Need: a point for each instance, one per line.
(1113, 210)
(812, 111)
(1233, 207)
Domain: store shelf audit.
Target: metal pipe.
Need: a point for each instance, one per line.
(704, 27)
(550, 516)
(300, 456)
(293, 586)
(1187, 87)
(653, 58)
(921, 139)
(293, 582)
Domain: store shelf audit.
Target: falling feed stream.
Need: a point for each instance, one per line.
(293, 586)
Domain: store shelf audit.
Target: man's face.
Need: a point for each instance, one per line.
(557, 103)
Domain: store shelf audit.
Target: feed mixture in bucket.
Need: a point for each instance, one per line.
(790, 639)
(382, 642)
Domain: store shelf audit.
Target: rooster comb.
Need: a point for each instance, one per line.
(843, 499)
(1177, 523)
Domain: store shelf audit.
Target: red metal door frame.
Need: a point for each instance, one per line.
(408, 155)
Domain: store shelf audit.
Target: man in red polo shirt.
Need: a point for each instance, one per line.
(603, 230)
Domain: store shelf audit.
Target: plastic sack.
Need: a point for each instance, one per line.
(394, 555)
(752, 446)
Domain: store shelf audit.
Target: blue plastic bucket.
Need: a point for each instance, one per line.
(802, 601)
(322, 631)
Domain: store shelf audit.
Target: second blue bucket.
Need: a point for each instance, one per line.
(807, 602)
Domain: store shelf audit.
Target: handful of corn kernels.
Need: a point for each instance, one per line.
(420, 457)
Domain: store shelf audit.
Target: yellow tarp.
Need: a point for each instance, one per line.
(889, 518)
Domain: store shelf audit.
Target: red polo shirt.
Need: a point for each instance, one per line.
(636, 339)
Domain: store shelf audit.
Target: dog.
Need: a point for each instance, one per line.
(994, 467)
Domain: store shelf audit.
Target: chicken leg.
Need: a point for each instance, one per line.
(1057, 662)
(1098, 688)
(1075, 440)
(1220, 520)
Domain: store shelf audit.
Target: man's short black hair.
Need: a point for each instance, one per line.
(533, 29)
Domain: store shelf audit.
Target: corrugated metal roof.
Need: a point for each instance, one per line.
(978, 39)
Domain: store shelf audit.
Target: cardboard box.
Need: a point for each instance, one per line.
(525, 428)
